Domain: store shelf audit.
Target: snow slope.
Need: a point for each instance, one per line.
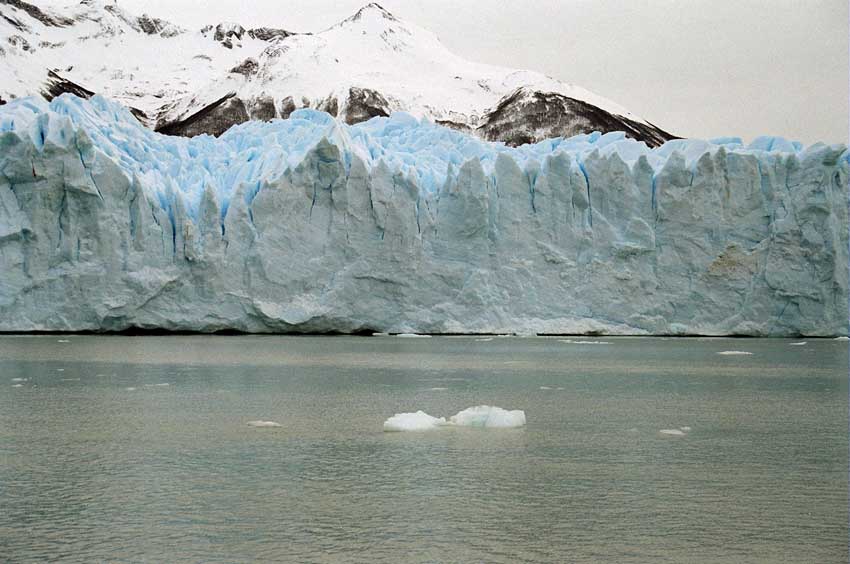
(400, 225)
(187, 82)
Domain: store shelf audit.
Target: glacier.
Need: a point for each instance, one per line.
(401, 225)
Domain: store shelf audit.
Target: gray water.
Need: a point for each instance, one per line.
(101, 461)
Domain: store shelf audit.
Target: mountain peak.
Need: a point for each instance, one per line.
(372, 12)
(374, 8)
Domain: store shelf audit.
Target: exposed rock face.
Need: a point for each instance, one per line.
(363, 104)
(527, 116)
(214, 119)
(738, 243)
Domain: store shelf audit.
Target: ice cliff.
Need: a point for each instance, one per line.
(399, 225)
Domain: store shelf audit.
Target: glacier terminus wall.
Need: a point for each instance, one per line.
(399, 225)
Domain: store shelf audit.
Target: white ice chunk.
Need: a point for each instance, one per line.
(260, 423)
(17, 385)
(734, 353)
(842, 338)
(437, 389)
(685, 428)
(413, 336)
(487, 416)
(19, 379)
(419, 421)
(545, 388)
(672, 432)
(572, 342)
(800, 344)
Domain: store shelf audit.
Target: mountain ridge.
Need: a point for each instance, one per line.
(369, 64)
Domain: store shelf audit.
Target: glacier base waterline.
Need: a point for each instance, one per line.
(729, 241)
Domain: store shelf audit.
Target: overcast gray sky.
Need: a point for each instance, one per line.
(697, 68)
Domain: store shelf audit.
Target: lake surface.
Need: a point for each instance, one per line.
(132, 449)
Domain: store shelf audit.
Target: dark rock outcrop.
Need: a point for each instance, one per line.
(527, 116)
(364, 104)
(214, 119)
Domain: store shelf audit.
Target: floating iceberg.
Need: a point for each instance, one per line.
(735, 353)
(419, 421)
(402, 226)
(486, 416)
(263, 424)
(672, 432)
(478, 416)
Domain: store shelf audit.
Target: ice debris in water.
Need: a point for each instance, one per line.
(735, 353)
(572, 342)
(413, 336)
(486, 416)
(478, 416)
(63, 341)
(419, 421)
(842, 338)
(19, 379)
(680, 432)
(800, 344)
(260, 423)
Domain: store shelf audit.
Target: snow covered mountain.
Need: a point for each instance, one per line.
(186, 82)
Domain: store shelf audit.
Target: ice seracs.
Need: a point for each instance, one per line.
(401, 226)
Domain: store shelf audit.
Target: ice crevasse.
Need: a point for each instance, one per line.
(399, 225)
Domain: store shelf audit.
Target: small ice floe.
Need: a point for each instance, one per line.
(478, 416)
(160, 385)
(545, 388)
(60, 370)
(800, 344)
(685, 428)
(672, 432)
(419, 421)
(63, 341)
(380, 334)
(487, 416)
(559, 388)
(19, 379)
(633, 430)
(259, 423)
(70, 379)
(413, 336)
(734, 353)
(130, 389)
(842, 338)
(437, 389)
(17, 385)
(487, 340)
(572, 342)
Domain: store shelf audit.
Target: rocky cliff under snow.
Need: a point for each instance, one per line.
(400, 225)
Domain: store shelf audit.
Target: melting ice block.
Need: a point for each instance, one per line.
(487, 416)
(478, 416)
(267, 424)
(419, 421)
